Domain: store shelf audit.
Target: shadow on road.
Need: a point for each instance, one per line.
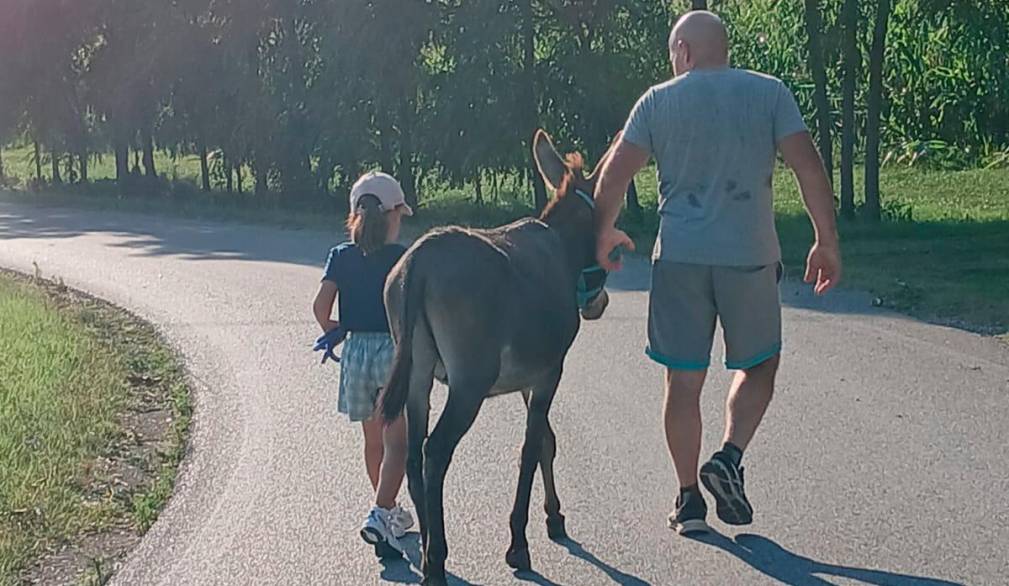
(774, 561)
(575, 549)
(406, 570)
(618, 577)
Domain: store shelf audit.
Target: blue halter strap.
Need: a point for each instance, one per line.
(592, 279)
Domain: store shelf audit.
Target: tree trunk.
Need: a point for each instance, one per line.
(122, 164)
(204, 167)
(814, 32)
(634, 209)
(148, 146)
(406, 172)
(82, 159)
(262, 188)
(38, 163)
(228, 182)
(385, 154)
(478, 187)
(55, 160)
(530, 105)
(877, 58)
(3, 175)
(849, 22)
(238, 176)
(698, 4)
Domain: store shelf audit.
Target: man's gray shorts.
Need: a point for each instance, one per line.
(685, 301)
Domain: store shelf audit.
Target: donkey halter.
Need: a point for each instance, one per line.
(592, 279)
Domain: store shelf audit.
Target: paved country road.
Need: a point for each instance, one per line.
(882, 461)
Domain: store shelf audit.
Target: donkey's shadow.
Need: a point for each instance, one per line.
(401, 569)
(575, 549)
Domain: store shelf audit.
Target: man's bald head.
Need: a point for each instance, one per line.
(698, 41)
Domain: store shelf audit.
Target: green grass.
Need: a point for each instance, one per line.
(67, 365)
(19, 165)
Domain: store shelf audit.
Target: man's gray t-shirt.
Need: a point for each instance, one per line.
(714, 135)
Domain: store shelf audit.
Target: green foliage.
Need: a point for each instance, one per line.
(302, 96)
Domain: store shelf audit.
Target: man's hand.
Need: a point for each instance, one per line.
(609, 240)
(823, 267)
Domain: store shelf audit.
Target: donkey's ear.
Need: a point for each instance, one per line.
(549, 162)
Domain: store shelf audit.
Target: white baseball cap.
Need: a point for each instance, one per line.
(382, 186)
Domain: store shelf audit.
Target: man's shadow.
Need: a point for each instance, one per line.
(776, 562)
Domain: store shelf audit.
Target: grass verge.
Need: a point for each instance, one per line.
(94, 410)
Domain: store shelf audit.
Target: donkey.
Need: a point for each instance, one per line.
(490, 312)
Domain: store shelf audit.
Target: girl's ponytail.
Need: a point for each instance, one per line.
(368, 225)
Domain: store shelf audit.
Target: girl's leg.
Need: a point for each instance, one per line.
(393, 464)
(373, 449)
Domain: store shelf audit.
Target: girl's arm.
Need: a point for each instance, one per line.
(322, 307)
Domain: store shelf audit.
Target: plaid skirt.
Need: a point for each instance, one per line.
(365, 365)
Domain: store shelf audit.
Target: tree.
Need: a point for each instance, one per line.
(877, 56)
(851, 58)
(529, 101)
(814, 48)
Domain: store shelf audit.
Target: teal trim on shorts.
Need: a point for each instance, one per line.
(675, 364)
(759, 359)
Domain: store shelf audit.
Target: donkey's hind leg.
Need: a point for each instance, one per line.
(536, 425)
(418, 408)
(552, 505)
(461, 408)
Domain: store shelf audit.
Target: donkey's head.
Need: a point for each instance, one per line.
(572, 213)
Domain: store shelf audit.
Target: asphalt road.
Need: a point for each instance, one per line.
(882, 460)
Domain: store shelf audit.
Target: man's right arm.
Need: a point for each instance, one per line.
(823, 265)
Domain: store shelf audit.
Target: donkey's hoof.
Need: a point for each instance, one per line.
(434, 581)
(519, 559)
(555, 528)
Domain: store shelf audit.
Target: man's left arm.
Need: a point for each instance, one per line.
(623, 164)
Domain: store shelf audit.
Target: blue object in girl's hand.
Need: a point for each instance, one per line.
(328, 342)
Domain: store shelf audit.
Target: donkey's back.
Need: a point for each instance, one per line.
(492, 305)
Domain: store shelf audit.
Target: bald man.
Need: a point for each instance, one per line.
(714, 132)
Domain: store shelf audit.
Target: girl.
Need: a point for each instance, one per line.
(357, 270)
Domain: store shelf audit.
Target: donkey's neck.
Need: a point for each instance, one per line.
(576, 238)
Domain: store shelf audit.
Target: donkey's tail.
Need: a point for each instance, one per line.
(397, 389)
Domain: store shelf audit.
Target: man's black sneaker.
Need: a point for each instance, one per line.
(725, 482)
(690, 514)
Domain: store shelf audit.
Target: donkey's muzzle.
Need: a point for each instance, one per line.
(595, 308)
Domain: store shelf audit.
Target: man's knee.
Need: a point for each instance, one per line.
(684, 384)
(767, 368)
